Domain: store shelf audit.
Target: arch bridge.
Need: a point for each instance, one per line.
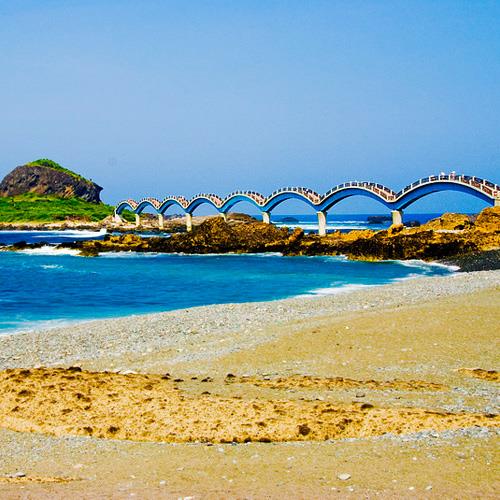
(394, 201)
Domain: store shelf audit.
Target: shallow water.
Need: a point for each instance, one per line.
(45, 288)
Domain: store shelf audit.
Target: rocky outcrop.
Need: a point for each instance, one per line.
(425, 242)
(450, 222)
(212, 236)
(444, 237)
(44, 177)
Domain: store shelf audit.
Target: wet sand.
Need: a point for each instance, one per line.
(402, 397)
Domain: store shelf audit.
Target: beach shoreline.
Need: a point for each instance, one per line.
(91, 339)
(386, 358)
(314, 292)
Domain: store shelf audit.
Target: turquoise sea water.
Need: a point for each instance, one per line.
(44, 287)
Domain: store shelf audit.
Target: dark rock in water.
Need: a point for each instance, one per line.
(290, 220)
(413, 223)
(477, 261)
(89, 252)
(19, 245)
(378, 219)
(45, 177)
(22, 245)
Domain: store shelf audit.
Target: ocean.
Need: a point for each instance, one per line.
(44, 287)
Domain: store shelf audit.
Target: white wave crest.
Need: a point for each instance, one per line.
(62, 233)
(421, 264)
(13, 328)
(329, 227)
(75, 234)
(50, 250)
(334, 290)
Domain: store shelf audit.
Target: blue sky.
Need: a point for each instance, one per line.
(156, 98)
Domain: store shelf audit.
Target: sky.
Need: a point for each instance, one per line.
(150, 98)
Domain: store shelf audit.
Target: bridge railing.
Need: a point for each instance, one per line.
(308, 193)
(380, 189)
(254, 195)
(476, 182)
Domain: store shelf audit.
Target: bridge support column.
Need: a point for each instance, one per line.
(117, 219)
(266, 217)
(321, 223)
(161, 220)
(497, 202)
(189, 221)
(397, 217)
(224, 216)
(137, 220)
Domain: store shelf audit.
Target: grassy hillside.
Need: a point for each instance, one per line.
(37, 208)
(45, 162)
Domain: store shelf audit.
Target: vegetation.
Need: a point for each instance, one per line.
(45, 162)
(41, 208)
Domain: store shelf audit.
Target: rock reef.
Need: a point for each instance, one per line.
(448, 237)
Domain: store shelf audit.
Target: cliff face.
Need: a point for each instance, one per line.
(47, 180)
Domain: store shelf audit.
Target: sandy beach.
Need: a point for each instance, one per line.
(381, 391)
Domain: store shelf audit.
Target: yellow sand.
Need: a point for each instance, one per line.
(59, 402)
(363, 375)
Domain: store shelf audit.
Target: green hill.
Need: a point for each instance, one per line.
(43, 208)
(45, 162)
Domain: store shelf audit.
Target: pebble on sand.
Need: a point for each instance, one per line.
(344, 476)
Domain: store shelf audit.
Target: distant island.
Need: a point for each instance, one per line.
(46, 177)
(42, 191)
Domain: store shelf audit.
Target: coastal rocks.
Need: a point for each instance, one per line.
(450, 238)
(452, 235)
(45, 177)
(450, 222)
(386, 245)
(477, 261)
(212, 236)
(488, 220)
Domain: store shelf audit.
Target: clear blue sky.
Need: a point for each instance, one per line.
(159, 97)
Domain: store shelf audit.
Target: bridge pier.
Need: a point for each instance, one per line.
(497, 202)
(224, 216)
(117, 219)
(189, 221)
(397, 217)
(161, 220)
(266, 217)
(137, 220)
(321, 223)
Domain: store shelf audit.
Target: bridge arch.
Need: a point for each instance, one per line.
(147, 202)
(412, 193)
(171, 201)
(309, 197)
(124, 205)
(202, 199)
(233, 199)
(336, 196)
